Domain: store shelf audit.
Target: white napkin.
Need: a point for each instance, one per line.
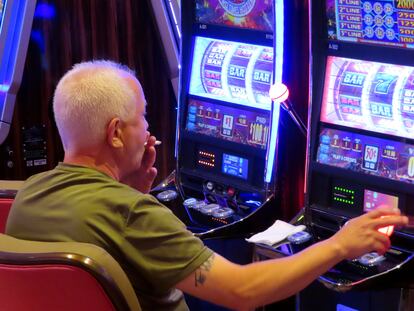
(277, 232)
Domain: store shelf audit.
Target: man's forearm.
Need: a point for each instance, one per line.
(249, 286)
(276, 279)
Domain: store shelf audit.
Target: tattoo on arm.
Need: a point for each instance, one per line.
(201, 272)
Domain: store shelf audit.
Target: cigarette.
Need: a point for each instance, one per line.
(157, 143)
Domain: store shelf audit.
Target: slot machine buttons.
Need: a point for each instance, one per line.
(209, 209)
(299, 241)
(231, 191)
(199, 205)
(299, 237)
(371, 259)
(210, 198)
(219, 188)
(190, 202)
(223, 213)
(167, 195)
(210, 186)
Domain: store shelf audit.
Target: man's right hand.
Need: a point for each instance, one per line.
(360, 235)
(143, 178)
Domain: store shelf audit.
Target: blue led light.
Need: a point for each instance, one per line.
(45, 11)
(176, 24)
(272, 145)
(4, 88)
(278, 35)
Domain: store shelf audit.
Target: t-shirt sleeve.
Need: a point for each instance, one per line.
(158, 245)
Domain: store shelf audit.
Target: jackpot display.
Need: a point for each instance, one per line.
(227, 123)
(388, 23)
(364, 154)
(248, 14)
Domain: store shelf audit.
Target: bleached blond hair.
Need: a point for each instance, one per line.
(87, 97)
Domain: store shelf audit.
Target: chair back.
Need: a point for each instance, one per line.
(45, 276)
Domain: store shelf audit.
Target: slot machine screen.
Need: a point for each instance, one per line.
(235, 166)
(381, 22)
(243, 126)
(368, 97)
(374, 199)
(234, 72)
(247, 14)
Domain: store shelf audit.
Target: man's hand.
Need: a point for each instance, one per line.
(143, 178)
(360, 235)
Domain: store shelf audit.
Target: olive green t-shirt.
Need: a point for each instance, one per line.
(75, 203)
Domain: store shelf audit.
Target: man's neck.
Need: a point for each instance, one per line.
(92, 162)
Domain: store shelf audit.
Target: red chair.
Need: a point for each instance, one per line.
(5, 205)
(64, 276)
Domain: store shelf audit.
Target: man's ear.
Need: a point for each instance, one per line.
(114, 133)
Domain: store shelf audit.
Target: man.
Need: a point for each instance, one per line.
(99, 195)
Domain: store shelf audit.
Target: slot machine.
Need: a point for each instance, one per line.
(227, 127)
(361, 143)
(15, 24)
